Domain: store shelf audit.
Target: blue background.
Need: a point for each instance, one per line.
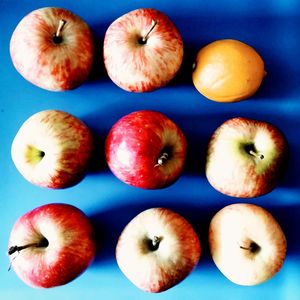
(273, 28)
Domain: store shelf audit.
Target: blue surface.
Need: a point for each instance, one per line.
(273, 28)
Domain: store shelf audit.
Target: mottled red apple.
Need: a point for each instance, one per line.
(52, 48)
(143, 50)
(146, 149)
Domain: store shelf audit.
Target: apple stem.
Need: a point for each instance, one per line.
(145, 38)
(162, 159)
(60, 27)
(13, 249)
(41, 243)
(257, 155)
(253, 247)
(57, 38)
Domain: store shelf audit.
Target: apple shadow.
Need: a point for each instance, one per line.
(198, 129)
(98, 71)
(249, 29)
(281, 61)
(97, 162)
(109, 224)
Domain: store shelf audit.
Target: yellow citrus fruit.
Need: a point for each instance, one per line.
(228, 71)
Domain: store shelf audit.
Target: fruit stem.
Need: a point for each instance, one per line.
(60, 27)
(253, 247)
(145, 38)
(257, 155)
(162, 159)
(41, 243)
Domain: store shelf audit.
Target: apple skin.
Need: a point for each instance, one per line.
(247, 244)
(233, 170)
(138, 66)
(62, 245)
(52, 64)
(136, 144)
(157, 250)
(52, 149)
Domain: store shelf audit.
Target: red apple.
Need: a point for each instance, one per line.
(52, 48)
(246, 158)
(51, 245)
(157, 249)
(247, 244)
(143, 50)
(52, 149)
(146, 149)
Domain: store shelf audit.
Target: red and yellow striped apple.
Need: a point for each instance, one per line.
(246, 158)
(51, 245)
(143, 50)
(52, 149)
(52, 48)
(157, 249)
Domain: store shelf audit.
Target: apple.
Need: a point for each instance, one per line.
(52, 149)
(146, 149)
(157, 249)
(246, 243)
(142, 50)
(246, 157)
(52, 48)
(51, 245)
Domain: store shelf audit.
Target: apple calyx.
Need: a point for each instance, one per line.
(162, 159)
(43, 243)
(253, 247)
(57, 37)
(34, 155)
(143, 39)
(153, 244)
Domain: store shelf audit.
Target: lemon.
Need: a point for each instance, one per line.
(228, 71)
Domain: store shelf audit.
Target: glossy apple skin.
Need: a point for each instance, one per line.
(231, 232)
(49, 65)
(135, 143)
(71, 245)
(232, 170)
(145, 67)
(174, 259)
(52, 149)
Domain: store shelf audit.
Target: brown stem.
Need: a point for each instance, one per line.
(42, 243)
(253, 247)
(144, 39)
(60, 27)
(57, 37)
(257, 155)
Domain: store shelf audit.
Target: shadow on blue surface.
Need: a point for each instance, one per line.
(110, 223)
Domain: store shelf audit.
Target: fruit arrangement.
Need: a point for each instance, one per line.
(143, 51)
